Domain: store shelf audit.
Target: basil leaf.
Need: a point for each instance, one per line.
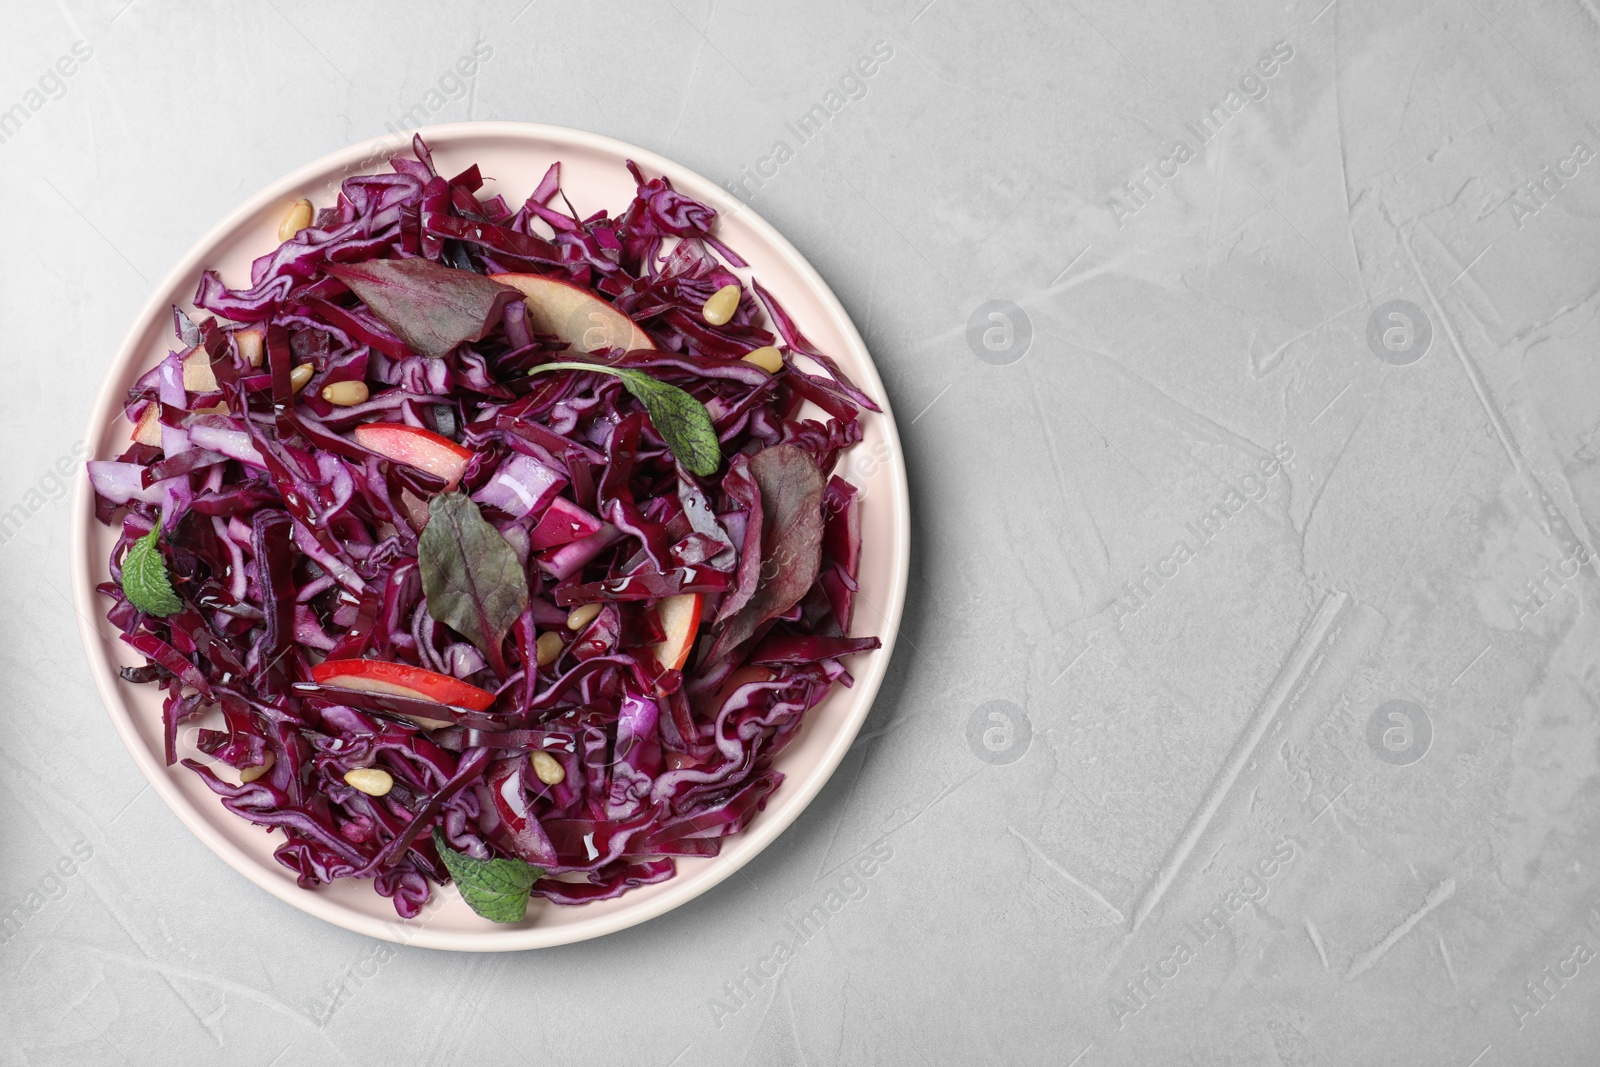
(496, 889)
(470, 574)
(144, 578)
(681, 420)
(431, 308)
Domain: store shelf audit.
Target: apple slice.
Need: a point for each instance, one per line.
(148, 431)
(197, 374)
(416, 447)
(251, 345)
(401, 680)
(577, 316)
(680, 620)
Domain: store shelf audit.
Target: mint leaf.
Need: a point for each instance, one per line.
(495, 889)
(681, 420)
(431, 308)
(471, 576)
(144, 578)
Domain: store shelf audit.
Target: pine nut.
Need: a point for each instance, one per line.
(768, 359)
(582, 616)
(300, 376)
(249, 342)
(345, 394)
(549, 648)
(548, 768)
(373, 781)
(723, 303)
(250, 774)
(297, 219)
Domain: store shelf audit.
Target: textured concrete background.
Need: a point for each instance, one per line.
(1245, 706)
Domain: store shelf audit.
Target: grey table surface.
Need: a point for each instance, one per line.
(1244, 709)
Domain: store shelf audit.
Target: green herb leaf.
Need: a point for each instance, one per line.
(144, 578)
(681, 420)
(471, 575)
(496, 889)
(432, 308)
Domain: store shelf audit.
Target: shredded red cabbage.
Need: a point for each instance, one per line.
(291, 544)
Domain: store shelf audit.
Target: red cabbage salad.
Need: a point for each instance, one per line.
(490, 541)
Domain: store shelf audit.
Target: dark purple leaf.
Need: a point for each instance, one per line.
(791, 489)
(470, 575)
(430, 307)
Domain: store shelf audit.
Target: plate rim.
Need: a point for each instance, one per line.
(679, 890)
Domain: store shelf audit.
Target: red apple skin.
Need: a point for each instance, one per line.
(680, 619)
(577, 316)
(401, 679)
(416, 447)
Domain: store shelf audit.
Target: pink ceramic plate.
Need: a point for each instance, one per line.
(516, 155)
